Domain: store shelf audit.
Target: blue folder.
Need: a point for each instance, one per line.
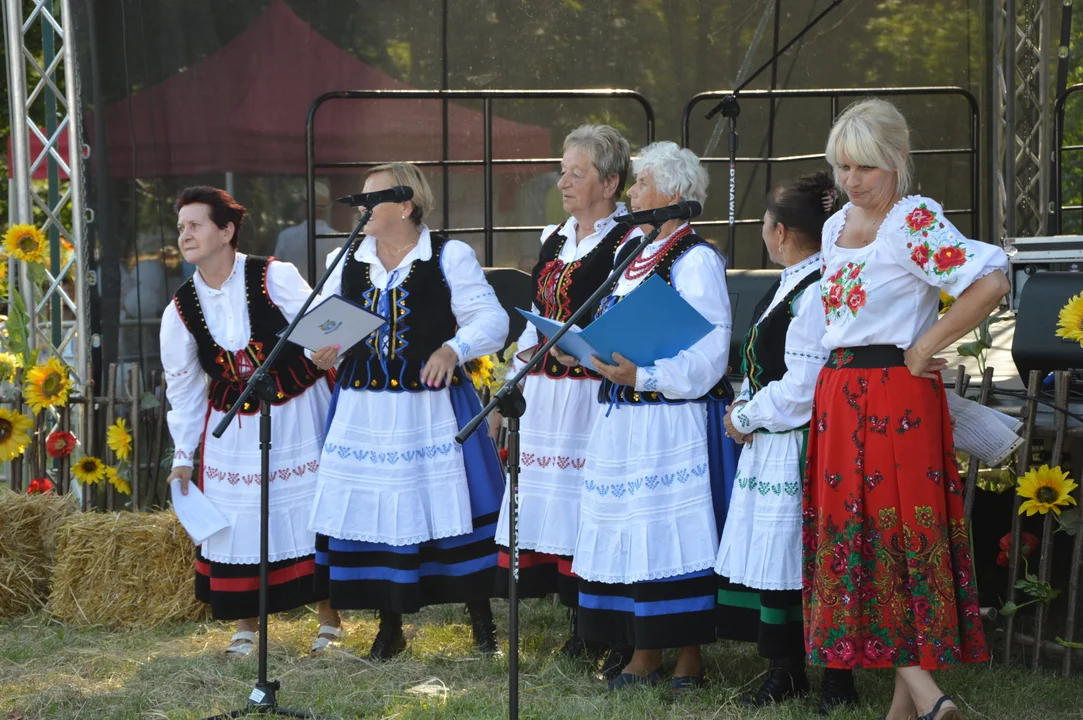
(651, 323)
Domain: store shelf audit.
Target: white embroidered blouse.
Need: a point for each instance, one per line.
(887, 292)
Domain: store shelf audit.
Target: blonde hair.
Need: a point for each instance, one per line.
(608, 150)
(675, 170)
(408, 175)
(873, 133)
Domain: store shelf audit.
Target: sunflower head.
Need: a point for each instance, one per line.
(119, 440)
(1070, 321)
(47, 385)
(946, 301)
(1046, 489)
(113, 478)
(26, 243)
(9, 363)
(88, 470)
(14, 434)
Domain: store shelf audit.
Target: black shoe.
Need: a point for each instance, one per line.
(837, 690)
(614, 662)
(484, 629)
(389, 640)
(783, 683)
(574, 647)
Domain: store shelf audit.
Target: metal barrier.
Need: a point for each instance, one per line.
(835, 95)
(1056, 214)
(487, 162)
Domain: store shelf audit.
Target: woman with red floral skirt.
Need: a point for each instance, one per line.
(888, 581)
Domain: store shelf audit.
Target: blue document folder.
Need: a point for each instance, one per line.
(651, 323)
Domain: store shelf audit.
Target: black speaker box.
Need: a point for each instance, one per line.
(513, 289)
(1036, 345)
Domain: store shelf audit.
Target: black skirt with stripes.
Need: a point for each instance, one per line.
(540, 575)
(232, 590)
(770, 618)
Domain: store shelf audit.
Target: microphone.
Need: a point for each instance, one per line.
(397, 194)
(684, 210)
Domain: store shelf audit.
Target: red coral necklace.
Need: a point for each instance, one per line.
(641, 266)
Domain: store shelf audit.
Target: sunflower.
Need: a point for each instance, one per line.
(88, 470)
(1070, 323)
(118, 439)
(26, 243)
(946, 302)
(47, 385)
(113, 478)
(3, 278)
(13, 434)
(1047, 489)
(8, 365)
(481, 371)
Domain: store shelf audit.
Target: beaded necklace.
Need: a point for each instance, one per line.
(641, 266)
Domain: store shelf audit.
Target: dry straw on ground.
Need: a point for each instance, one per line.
(28, 534)
(124, 570)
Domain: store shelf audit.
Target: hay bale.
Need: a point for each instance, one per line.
(124, 570)
(28, 530)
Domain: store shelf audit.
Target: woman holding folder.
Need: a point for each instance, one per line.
(409, 514)
(561, 401)
(759, 558)
(648, 533)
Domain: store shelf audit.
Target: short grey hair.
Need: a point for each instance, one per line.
(873, 133)
(608, 150)
(675, 170)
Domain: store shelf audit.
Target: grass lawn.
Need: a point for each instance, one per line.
(48, 670)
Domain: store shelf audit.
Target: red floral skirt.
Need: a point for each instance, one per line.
(888, 579)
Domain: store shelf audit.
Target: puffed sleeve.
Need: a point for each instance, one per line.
(786, 404)
(287, 289)
(186, 387)
(700, 278)
(483, 324)
(928, 246)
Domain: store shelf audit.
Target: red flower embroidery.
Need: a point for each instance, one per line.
(856, 298)
(845, 650)
(59, 444)
(920, 218)
(834, 297)
(837, 276)
(920, 256)
(855, 272)
(949, 257)
(874, 648)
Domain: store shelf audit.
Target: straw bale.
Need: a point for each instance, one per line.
(124, 570)
(28, 531)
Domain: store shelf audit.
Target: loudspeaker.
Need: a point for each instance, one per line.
(1036, 345)
(746, 289)
(513, 289)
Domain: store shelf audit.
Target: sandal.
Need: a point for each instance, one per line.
(952, 713)
(247, 640)
(627, 680)
(327, 636)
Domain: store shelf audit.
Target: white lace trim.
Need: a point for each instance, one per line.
(340, 534)
(645, 577)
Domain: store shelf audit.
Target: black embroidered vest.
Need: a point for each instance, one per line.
(419, 321)
(625, 394)
(763, 350)
(292, 373)
(561, 288)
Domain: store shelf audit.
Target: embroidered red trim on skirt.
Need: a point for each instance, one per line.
(888, 578)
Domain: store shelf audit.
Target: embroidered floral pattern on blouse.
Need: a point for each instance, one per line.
(843, 294)
(934, 251)
(650, 383)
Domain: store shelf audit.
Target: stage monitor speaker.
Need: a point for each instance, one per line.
(746, 289)
(1036, 345)
(513, 289)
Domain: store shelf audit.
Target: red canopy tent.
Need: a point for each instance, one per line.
(243, 109)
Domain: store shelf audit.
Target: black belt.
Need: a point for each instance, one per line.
(866, 357)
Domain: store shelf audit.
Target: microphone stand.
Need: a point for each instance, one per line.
(511, 403)
(263, 699)
(730, 109)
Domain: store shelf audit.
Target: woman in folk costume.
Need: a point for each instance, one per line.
(657, 456)
(888, 581)
(409, 514)
(561, 401)
(221, 324)
(759, 558)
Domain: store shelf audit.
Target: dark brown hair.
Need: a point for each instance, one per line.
(804, 205)
(224, 209)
